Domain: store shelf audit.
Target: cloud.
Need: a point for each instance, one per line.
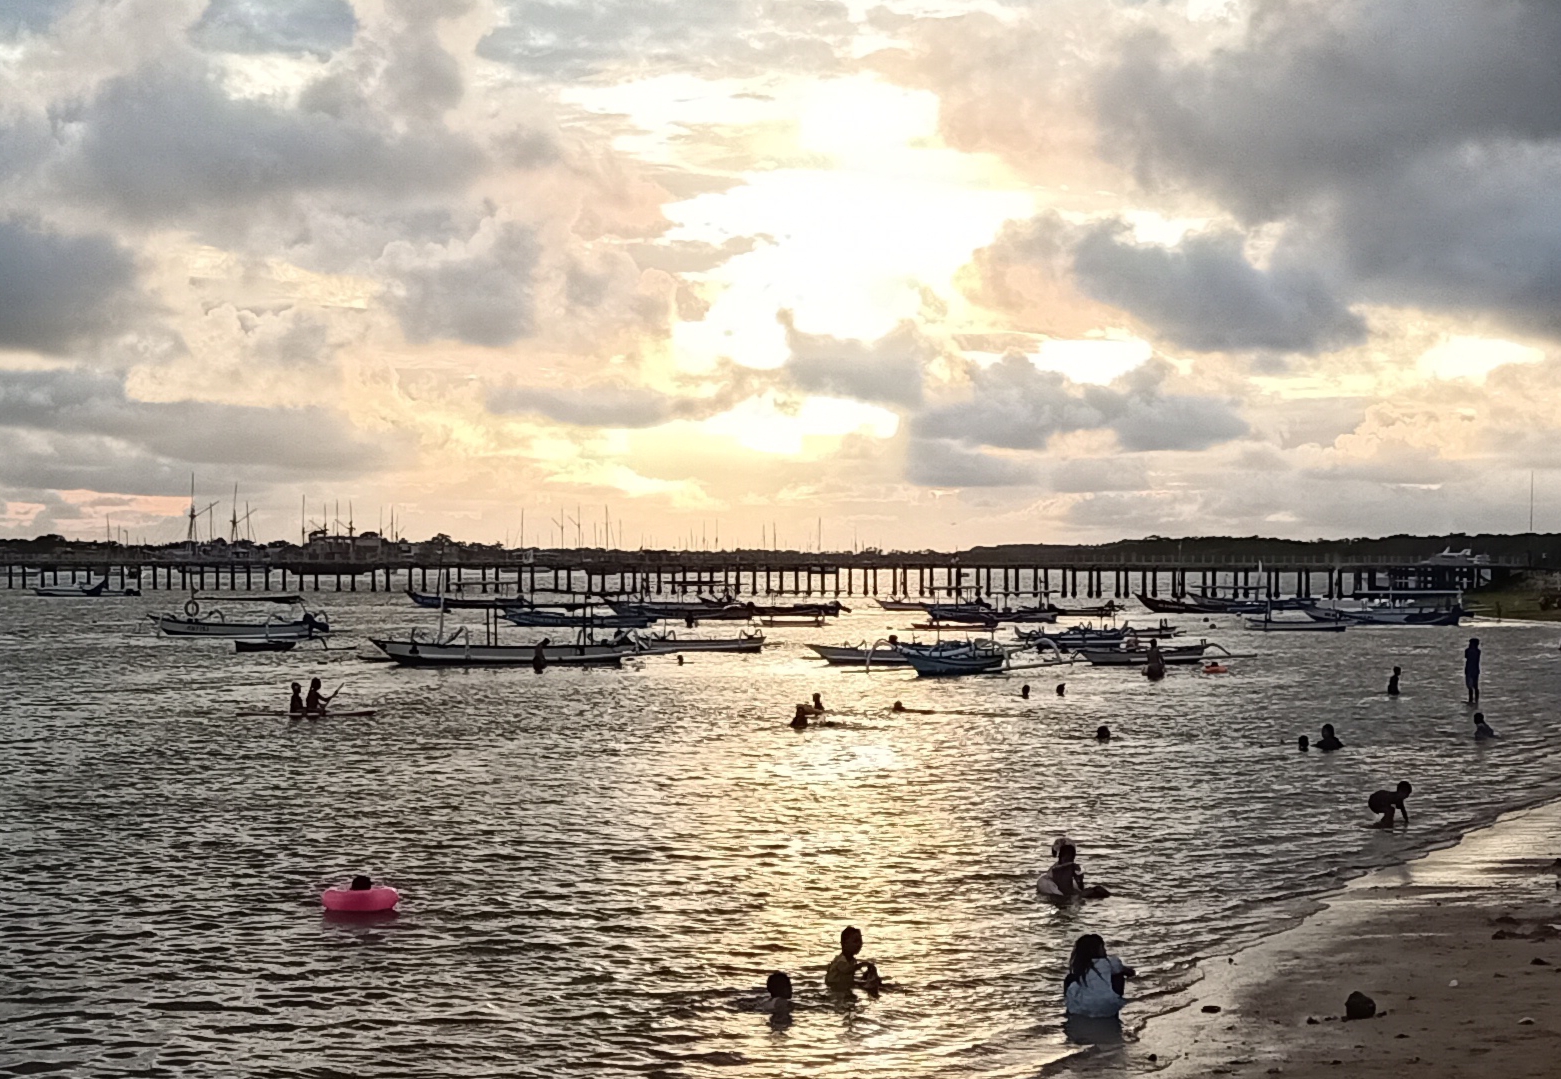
(1014, 405)
(1413, 151)
(57, 291)
(1203, 294)
(160, 145)
(599, 406)
(886, 371)
(33, 16)
(79, 404)
(315, 27)
(940, 462)
(479, 292)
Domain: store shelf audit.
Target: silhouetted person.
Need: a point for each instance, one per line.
(1303, 744)
(1471, 670)
(818, 704)
(800, 720)
(360, 883)
(1096, 984)
(1393, 681)
(539, 654)
(1389, 802)
(317, 702)
(841, 977)
(778, 1001)
(1102, 733)
(1062, 689)
(295, 707)
(1482, 730)
(1154, 668)
(1024, 691)
(1329, 741)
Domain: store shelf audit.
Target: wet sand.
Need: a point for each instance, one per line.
(1460, 950)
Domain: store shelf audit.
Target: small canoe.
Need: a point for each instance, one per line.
(362, 713)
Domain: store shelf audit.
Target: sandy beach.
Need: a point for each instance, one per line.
(1459, 950)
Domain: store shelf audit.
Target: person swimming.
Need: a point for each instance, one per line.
(1389, 802)
(1303, 744)
(778, 1003)
(1482, 730)
(317, 702)
(800, 719)
(899, 707)
(1329, 741)
(360, 883)
(1096, 985)
(1393, 681)
(842, 973)
(295, 707)
(1024, 691)
(1102, 733)
(1062, 689)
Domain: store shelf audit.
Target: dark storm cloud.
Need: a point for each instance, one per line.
(1204, 294)
(315, 27)
(573, 38)
(82, 404)
(57, 291)
(939, 462)
(1012, 405)
(484, 297)
(159, 145)
(1413, 147)
(886, 371)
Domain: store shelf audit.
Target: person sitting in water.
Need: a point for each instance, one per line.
(296, 705)
(800, 720)
(317, 702)
(1389, 802)
(1024, 691)
(1096, 985)
(360, 883)
(1329, 741)
(1393, 681)
(1303, 744)
(1482, 730)
(1102, 733)
(778, 1003)
(1065, 876)
(843, 973)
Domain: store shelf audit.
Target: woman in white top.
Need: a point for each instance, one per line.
(1096, 981)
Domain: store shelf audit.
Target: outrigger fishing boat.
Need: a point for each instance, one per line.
(860, 655)
(215, 624)
(89, 591)
(1424, 607)
(665, 644)
(574, 619)
(458, 650)
(1177, 655)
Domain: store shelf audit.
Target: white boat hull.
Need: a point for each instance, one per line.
(173, 626)
(666, 646)
(846, 656)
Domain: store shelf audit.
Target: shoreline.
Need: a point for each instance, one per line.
(1483, 912)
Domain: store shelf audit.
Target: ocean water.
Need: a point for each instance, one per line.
(599, 866)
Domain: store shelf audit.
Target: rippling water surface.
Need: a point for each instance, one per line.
(597, 866)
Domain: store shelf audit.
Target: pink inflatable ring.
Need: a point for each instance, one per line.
(361, 901)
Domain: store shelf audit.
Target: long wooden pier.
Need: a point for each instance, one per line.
(1089, 573)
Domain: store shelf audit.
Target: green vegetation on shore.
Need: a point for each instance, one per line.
(1533, 595)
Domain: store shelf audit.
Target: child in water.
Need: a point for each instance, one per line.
(842, 974)
(1389, 802)
(1329, 741)
(778, 1003)
(1096, 983)
(1482, 730)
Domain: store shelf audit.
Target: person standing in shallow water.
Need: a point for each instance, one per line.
(841, 977)
(1393, 681)
(1471, 670)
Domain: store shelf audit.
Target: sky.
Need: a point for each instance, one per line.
(670, 273)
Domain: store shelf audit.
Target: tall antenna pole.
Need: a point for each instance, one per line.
(1531, 500)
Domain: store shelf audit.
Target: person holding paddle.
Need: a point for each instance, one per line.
(317, 702)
